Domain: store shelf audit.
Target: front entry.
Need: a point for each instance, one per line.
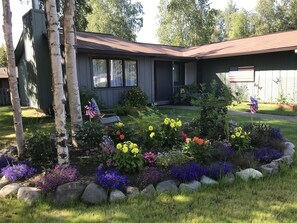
(163, 82)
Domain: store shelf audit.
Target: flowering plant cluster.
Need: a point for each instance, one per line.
(56, 177)
(169, 131)
(110, 179)
(266, 155)
(18, 172)
(5, 161)
(128, 157)
(275, 133)
(240, 139)
(150, 158)
(187, 172)
(117, 132)
(219, 169)
(197, 148)
(107, 152)
(150, 175)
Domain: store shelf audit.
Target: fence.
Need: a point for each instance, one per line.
(4, 97)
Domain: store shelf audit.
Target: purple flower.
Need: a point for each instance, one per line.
(187, 172)
(150, 175)
(276, 133)
(18, 172)
(56, 177)
(110, 179)
(266, 155)
(5, 161)
(218, 170)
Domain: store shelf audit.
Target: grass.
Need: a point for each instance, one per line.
(272, 109)
(271, 199)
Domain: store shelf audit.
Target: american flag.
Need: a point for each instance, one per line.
(91, 110)
(254, 106)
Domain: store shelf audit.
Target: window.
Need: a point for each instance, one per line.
(114, 73)
(241, 74)
(130, 73)
(100, 73)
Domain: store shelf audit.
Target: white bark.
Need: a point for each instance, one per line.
(12, 79)
(57, 77)
(71, 71)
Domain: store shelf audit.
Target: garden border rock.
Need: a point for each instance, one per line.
(65, 191)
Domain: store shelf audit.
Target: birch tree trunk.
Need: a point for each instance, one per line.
(57, 77)
(12, 79)
(71, 71)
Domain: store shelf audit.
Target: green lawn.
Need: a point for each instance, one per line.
(272, 109)
(272, 199)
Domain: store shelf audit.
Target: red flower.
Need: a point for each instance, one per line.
(183, 135)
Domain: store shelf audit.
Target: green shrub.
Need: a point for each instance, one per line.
(86, 95)
(40, 148)
(198, 149)
(186, 94)
(89, 134)
(213, 110)
(128, 157)
(123, 109)
(170, 158)
(135, 97)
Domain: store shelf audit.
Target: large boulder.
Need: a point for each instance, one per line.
(94, 194)
(270, 168)
(3, 182)
(149, 190)
(207, 181)
(68, 192)
(249, 173)
(29, 194)
(290, 149)
(190, 186)
(167, 186)
(116, 195)
(9, 190)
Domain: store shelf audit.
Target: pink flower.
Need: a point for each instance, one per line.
(183, 135)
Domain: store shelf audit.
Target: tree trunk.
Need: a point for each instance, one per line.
(12, 79)
(57, 77)
(71, 71)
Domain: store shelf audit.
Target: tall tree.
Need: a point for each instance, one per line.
(185, 22)
(83, 8)
(119, 17)
(12, 78)
(3, 57)
(58, 91)
(71, 72)
(240, 25)
(228, 12)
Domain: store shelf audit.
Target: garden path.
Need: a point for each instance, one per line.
(278, 117)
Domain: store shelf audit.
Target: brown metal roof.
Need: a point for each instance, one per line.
(94, 42)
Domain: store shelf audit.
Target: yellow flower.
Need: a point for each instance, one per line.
(151, 128)
(166, 121)
(233, 136)
(179, 123)
(125, 149)
(120, 124)
(240, 129)
(237, 134)
(172, 125)
(152, 134)
(119, 146)
(131, 146)
(134, 145)
(242, 137)
(135, 150)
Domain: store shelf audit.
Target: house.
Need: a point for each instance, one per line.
(4, 87)
(264, 66)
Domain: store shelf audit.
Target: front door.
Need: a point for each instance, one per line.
(163, 82)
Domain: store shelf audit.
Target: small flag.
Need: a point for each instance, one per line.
(91, 110)
(254, 106)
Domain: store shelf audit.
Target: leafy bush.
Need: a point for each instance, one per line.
(266, 155)
(110, 179)
(128, 157)
(170, 158)
(186, 94)
(212, 107)
(218, 170)
(86, 94)
(150, 175)
(105, 157)
(56, 177)
(222, 150)
(198, 149)
(118, 132)
(135, 97)
(187, 172)
(90, 134)
(40, 148)
(18, 172)
(5, 161)
(123, 109)
(240, 140)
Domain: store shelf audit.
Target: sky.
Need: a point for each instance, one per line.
(146, 35)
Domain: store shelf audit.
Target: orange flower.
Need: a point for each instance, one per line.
(122, 136)
(206, 142)
(188, 140)
(118, 132)
(198, 140)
